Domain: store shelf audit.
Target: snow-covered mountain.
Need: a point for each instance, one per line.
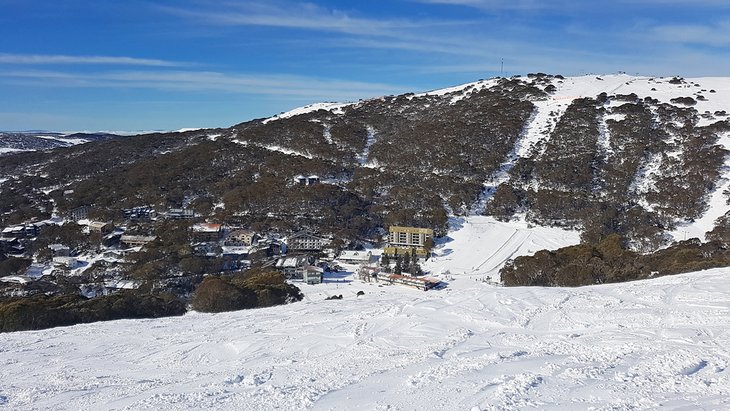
(641, 156)
(659, 343)
(13, 142)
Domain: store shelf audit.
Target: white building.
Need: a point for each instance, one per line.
(355, 257)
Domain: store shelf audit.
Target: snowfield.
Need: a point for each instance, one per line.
(473, 345)
(641, 345)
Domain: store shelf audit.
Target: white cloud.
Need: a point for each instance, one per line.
(7, 58)
(208, 81)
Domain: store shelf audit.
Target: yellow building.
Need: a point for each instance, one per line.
(403, 240)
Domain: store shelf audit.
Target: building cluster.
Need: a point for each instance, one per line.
(306, 180)
(302, 255)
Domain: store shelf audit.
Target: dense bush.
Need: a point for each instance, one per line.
(610, 261)
(251, 289)
(38, 312)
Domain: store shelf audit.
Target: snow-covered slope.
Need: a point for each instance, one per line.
(477, 247)
(641, 345)
(472, 345)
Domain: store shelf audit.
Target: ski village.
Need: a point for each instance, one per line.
(306, 257)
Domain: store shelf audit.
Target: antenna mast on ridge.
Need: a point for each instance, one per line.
(501, 69)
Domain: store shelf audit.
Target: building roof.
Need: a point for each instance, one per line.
(121, 284)
(291, 262)
(98, 224)
(206, 228)
(139, 238)
(355, 255)
(412, 230)
(227, 249)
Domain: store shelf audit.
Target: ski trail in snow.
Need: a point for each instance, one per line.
(538, 128)
(504, 252)
(717, 203)
(363, 157)
(327, 133)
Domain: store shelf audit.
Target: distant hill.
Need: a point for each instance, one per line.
(11, 142)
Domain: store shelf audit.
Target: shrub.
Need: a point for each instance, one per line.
(215, 295)
(609, 261)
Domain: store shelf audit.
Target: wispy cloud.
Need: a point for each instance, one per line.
(497, 4)
(565, 6)
(208, 81)
(306, 16)
(6, 58)
(711, 34)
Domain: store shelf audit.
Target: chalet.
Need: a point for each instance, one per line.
(207, 232)
(355, 257)
(112, 238)
(306, 180)
(23, 230)
(59, 250)
(242, 238)
(235, 257)
(68, 262)
(293, 267)
(406, 240)
(136, 240)
(306, 241)
(112, 286)
(101, 227)
(11, 246)
(179, 214)
(80, 213)
(140, 213)
(206, 249)
(312, 275)
(264, 249)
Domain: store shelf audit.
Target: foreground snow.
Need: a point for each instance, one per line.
(640, 345)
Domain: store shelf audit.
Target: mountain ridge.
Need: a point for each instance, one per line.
(500, 145)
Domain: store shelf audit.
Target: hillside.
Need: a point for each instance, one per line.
(638, 156)
(641, 345)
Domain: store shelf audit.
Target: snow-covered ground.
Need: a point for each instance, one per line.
(477, 246)
(641, 345)
(473, 345)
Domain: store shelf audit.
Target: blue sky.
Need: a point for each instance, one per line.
(161, 65)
